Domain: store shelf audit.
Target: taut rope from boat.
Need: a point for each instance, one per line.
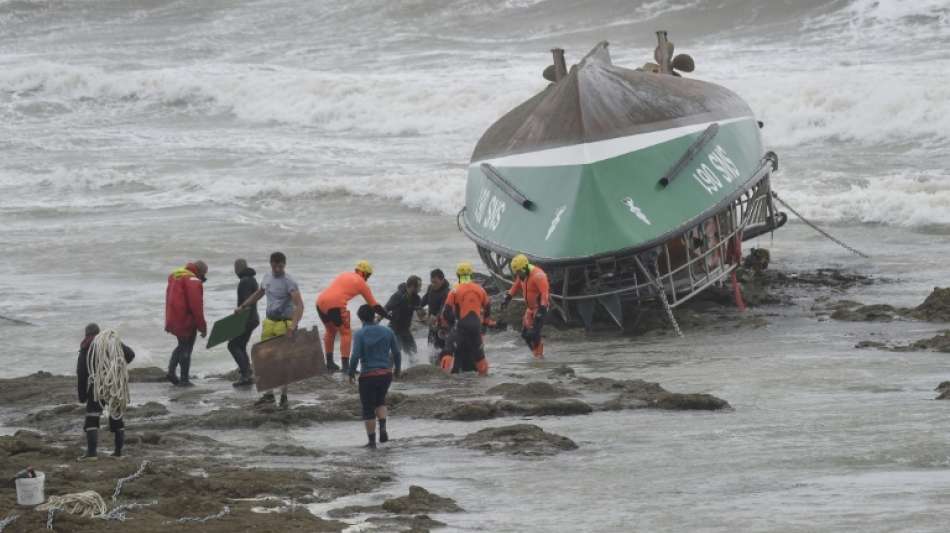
(819, 230)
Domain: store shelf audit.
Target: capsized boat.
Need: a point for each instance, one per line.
(623, 184)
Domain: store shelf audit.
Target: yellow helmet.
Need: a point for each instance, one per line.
(364, 267)
(519, 263)
(464, 269)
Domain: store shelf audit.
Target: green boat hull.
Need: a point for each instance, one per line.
(597, 200)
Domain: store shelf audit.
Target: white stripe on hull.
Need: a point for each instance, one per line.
(587, 153)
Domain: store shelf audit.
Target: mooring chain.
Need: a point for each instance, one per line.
(118, 486)
(50, 516)
(120, 512)
(829, 236)
(195, 520)
(7, 521)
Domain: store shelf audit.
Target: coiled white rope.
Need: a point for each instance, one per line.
(88, 504)
(108, 372)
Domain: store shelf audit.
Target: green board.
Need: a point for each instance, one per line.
(228, 328)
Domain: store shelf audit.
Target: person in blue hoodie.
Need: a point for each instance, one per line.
(376, 352)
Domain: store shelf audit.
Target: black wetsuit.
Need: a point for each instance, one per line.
(401, 306)
(433, 300)
(238, 345)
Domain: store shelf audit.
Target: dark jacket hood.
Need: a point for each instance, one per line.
(247, 272)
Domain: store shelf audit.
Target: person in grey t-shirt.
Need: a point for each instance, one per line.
(284, 309)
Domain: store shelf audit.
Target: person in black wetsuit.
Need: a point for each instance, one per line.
(247, 286)
(432, 301)
(401, 306)
(93, 406)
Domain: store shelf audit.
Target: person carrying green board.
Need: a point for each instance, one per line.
(247, 286)
(284, 309)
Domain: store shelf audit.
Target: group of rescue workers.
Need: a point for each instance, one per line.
(456, 317)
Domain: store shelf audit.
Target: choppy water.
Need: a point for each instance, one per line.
(138, 134)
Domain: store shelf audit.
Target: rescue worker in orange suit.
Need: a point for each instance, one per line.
(331, 306)
(531, 280)
(465, 311)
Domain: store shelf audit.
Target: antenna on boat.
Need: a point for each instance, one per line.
(556, 71)
(663, 54)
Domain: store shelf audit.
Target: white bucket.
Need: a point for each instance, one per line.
(30, 490)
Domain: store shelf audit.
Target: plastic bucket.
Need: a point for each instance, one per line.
(30, 490)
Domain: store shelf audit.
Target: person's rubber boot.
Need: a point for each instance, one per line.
(538, 350)
(267, 398)
(170, 376)
(371, 437)
(92, 442)
(283, 401)
(331, 366)
(345, 364)
(383, 435)
(246, 380)
(119, 443)
(185, 380)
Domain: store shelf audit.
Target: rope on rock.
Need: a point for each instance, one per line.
(87, 504)
(107, 370)
(819, 230)
(120, 483)
(7, 521)
(195, 520)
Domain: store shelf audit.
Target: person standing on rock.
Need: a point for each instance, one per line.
(184, 316)
(376, 353)
(94, 406)
(247, 286)
(466, 310)
(402, 306)
(537, 295)
(331, 306)
(284, 310)
(432, 301)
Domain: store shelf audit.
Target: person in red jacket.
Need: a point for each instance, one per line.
(537, 296)
(331, 306)
(184, 316)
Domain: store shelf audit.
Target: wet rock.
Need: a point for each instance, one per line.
(421, 501)
(545, 408)
(468, 412)
(866, 313)
(635, 388)
(528, 391)
(22, 442)
(682, 402)
(290, 450)
(757, 260)
(936, 308)
(518, 439)
(871, 344)
(149, 374)
(411, 524)
(231, 376)
(944, 390)
(40, 388)
(623, 402)
(423, 374)
(147, 410)
(938, 343)
(563, 371)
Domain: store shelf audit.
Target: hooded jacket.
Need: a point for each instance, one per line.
(184, 303)
(246, 287)
(372, 346)
(401, 306)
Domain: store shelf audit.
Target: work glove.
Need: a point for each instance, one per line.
(541, 312)
(504, 305)
(381, 311)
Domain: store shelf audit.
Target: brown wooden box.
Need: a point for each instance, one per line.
(284, 360)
